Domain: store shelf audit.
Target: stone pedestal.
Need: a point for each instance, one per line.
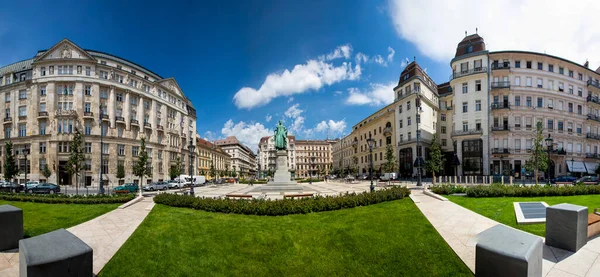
(58, 253)
(282, 178)
(504, 251)
(11, 227)
(566, 226)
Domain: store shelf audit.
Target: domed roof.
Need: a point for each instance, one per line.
(469, 44)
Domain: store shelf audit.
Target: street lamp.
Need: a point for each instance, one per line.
(25, 152)
(371, 143)
(549, 141)
(418, 162)
(572, 162)
(192, 149)
(101, 187)
(312, 164)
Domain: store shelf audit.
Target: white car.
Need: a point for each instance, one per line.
(173, 184)
(32, 184)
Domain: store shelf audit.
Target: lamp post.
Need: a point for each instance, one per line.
(101, 187)
(549, 141)
(312, 164)
(371, 143)
(192, 149)
(25, 152)
(572, 162)
(418, 161)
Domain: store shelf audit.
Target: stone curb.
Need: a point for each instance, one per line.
(135, 200)
(438, 197)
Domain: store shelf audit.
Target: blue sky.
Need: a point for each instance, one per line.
(215, 49)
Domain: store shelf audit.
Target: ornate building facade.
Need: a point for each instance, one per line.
(209, 154)
(105, 97)
(243, 159)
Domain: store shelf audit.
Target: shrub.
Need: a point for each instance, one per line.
(447, 189)
(530, 191)
(285, 206)
(67, 199)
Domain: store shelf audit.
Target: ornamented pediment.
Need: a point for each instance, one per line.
(172, 85)
(65, 49)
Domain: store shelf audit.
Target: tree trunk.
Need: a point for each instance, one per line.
(536, 177)
(141, 182)
(433, 180)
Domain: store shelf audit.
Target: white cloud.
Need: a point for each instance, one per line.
(210, 136)
(293, 111)
(337, 92)
(404, 62)
(268, 118)
(331, 127)
(378, 94)
(361, 58)
(291, 99)
(340, 51)
(391, 54)
(561, 29)
(312, 75)
(379, 60)
(247, 133)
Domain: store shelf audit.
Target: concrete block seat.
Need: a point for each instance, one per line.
(566, 226)
(11, 227)
(58, 253)
(594, 223)
(504, 251)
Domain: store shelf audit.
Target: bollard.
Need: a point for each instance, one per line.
(490, 179)
(502, 178)
(510, 178)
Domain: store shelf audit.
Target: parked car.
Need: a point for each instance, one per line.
(44, 188)
(563, 179)
(175, 184)
(157, 186)
(387, 176)
(31, 184)
(10, 187)
(587, 180)
(126, 188)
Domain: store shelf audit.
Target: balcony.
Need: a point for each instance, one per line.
(387, 131)
(7, 119)
(593, 99)
(592, 136)
(120, 119)
(499, 85)
(88, 115)
(147, 125)
(500, 106)
(500, 129)
(593, 117)
(134, 122)
(42, 114)
(104, 117)
(592, 156)
(497, 66)
(468, 72)
(467, 132)
(501, 151)
(159, 127)
(413, 140)
(593, 83)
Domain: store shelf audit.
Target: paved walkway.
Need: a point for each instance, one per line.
(460, 226)
(105, 234)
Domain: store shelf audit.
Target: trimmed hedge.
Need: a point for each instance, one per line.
(530, 191)
(447, 189)
(282, 207)
(67, 199)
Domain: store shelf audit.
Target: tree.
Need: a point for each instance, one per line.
(539, 156)
(355, 163)
(175, 170)
(222, 174)
(597, 171)
(120, 171)
(436, 160)
(10, 167)
(212, 173)
(76, 157)
(233, 173)
(390, 160)
(46, 172)
(141, 168)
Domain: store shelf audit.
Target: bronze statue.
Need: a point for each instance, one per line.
(280, 137)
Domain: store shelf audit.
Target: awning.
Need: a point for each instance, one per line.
(591, 167)
(576, 167)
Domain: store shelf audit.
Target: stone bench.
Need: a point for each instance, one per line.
(298, 195)
(58, 253)
(594, 223)
(504, 251)
(11, 227)
(566, 226)
(238, 196)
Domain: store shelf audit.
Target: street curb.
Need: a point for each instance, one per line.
(438, 197)
(135, 200)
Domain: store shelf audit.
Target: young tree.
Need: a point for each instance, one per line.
(10, 167)
(46, 172)
(539, 156)
(212, 170)
(175, 170)
(76, 157)
(390, 160)
(120, 171)
(141, 168)
(222, 174)
(233, 173)
(355, 165)
(436, 160)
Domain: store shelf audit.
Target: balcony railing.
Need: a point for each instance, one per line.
(42, 114)
(592, 136)
(88, 114)
(467, 132)
(7, 119)
(593, 117)
(159, 127)
(134, 121)
(500, 66)
(593, 99)
(468, 72)
(593, 83)
(147, 125)
(120, 119)
(501, 151)
(592, 156)
(500, 128)
(412, 140)
(387, 131)
(503, 84)
(499, 106)
(104, 117)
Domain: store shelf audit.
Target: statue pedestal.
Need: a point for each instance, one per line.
(282, 177)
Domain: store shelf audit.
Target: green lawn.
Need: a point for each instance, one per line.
(39, 218)
(387, 239)
(501, 209)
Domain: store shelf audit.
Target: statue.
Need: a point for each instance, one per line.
(280, 137)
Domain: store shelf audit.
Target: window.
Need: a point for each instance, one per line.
(561, 70)
(478, 105)
(88, 71)
(120, 97)
(51, 69)
(63, 147)
(400, 123)
(7, 113)
(7, 97)
(42, 147)
(528, 101)
(528, 144)
(22, 111)
(529, 81)
(540, 66)
(517, 121)
(529, 64)
(560, 105)
(119, 78)
(580, 76)
(105, 166)
(65, 126)
(103, 93)
(22, 130)
(465, 126)
(478, 85)
(43, 71)
(408, 120)
(465, 106)
(550, 124)
(540, 83)
(540, 102)
(551, 68)
(478, 64)
(579, 109)
(88, 90)
(105, 147)
(517, 81)
(43, 90)
(517, 101)
(42, 127)
(578, 129)
(88, 128)
(518, 64)
(528, 121)
(561, 87)
(408, 106)
(443, 129)
(464, 67)
(560, 125)
(443, 117)
(570, 89)
(580, 92)
(570, 107)
(7, 132)
(571, 73)
(550, 85)
(119, 67)
(103, 74)
(134, 151)
(88, 147)
(121, 150)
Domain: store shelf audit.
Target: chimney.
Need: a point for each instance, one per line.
(586, 64)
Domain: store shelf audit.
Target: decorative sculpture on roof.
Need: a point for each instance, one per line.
(66, 52)
(280, 137)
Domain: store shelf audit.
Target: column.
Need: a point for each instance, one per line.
(111, 107)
